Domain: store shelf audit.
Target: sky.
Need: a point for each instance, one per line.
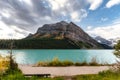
(18, 18)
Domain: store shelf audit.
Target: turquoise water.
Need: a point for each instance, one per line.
(33, 56)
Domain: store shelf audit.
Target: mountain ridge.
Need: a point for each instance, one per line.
(64, 30)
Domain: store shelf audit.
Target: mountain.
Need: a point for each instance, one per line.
(62, 35)
(114, 41)
(102, 40)
(109, 42)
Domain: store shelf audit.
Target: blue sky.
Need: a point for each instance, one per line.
(18, 18)
(102, 16)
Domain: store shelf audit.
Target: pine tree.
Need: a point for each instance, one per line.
(117, 54)
(117, 49)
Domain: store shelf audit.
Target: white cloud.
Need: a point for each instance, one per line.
(0, 17)
(47, 18)
(89, 27)
(107, 32)
(112, 3)
(57, 4)
(5, 13)
(104, 19)
(39, 12)
(10, 32)
(94, 4)
(64, 13)
(76, 16)
(26, 1)
(72, 10)
(116, 21)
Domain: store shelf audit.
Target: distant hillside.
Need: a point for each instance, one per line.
(103, 41)
(61, 35)
(69, 32)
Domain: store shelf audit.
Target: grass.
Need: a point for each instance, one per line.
(105, 75)
(16, 74)
(13, 73)
(56, 62)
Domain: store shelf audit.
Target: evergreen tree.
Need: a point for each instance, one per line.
(117, 53)
(117, 49)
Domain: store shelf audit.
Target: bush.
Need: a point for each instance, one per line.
(81, 64)
(94, 62)
(67, 63)
(4, 63)
(57, 62)
(42, 64)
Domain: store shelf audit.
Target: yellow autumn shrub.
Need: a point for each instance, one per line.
(4, 62)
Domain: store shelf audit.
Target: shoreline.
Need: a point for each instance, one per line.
(63, 71)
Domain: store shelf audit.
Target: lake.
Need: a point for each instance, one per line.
(34, 56)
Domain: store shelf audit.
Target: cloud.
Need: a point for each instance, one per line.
(5, 13)
(94, 4)
(103, 19)
(116, 21)
(68, 9)
(11, 32)
(89, 27)
(29, 2)
(28, 15)
(24, 16)
(57, 4)
(108, 32)
(112, 3)
(77, 16)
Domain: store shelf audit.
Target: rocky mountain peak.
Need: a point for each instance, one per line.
(63, 23)
(64, 30)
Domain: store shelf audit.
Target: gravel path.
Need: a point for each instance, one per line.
(63, 71)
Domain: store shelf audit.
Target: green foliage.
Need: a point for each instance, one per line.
(39, 44)
(85, 45)
(105, 75)
(13, 76)
(57, 62)
(117, 49)
(94, 62)
(81, 64)
(67, 63)
(46, 43)
(54, 62)
(17, 75)
(13, 73)
(117, 53)
(117, 46)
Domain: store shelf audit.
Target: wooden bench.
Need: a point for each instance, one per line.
(38, 75)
